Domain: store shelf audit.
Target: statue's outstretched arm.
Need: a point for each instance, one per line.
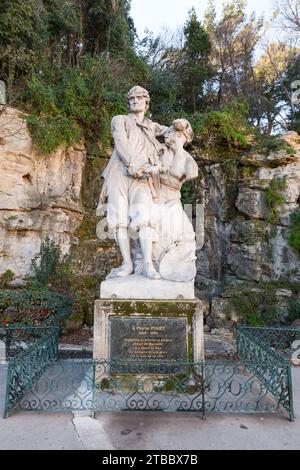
(160, 130)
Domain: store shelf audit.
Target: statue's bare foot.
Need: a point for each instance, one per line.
(125, 270)
(150, 272)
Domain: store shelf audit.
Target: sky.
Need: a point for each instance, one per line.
(156, 14)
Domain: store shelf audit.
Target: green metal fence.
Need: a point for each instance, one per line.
(210, 386)
(277, 339)
(260, 382)
(27, 341)
(29, 351)
(267, 352)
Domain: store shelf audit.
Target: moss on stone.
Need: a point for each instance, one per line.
(274, 198)
(259, 304)
(154, 308)
(157, 309)
(84, 293)
(87, 229)
(294, 237)
(291, 151)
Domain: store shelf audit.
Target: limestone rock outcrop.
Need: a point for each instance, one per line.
(39, 195)
(246, 238)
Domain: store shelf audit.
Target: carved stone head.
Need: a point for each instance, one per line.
(138, 99)
(180, 131)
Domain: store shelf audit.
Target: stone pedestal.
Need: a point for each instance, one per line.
(140, 287)
(148, 318)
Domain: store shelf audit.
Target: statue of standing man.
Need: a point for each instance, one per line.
(132, 179)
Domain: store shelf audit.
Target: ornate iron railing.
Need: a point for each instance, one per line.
(211, 386)
(278, 339)
(19, 340)
(260, 382)
(266, 352)
(29, 351)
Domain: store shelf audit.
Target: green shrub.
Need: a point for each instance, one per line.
(293, 310)
(5, 278)
(291, 151)
(188, 193)
(49, 264)
(65, 104)
(271, 143)
(294, 238)
(33, 306)
(226, 126)
(256, 307)
(87, 229)
(54, 271)
(274, 144)
(50, 132)
(83, 291)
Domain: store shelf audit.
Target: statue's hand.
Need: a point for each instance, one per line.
(155, 169)
(164, 169)
(137, 173)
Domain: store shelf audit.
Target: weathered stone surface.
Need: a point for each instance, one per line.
(292, 139)
(251, 202)
(279, 158)
(245, 261)
(219, 343)
(257, 248)
(291, 174)
(248, 232)
(283, 261)
(212, 257)
(255, 183)
(39, 195)
(90, 257)
(222, 313)
(140, 287)
(251, 196)
(191, 310)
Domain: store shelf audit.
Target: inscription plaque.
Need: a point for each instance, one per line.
(148, 340)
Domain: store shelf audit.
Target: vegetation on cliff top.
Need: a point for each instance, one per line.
(294, 238)
(69, 64)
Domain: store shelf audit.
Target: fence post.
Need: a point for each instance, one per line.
(93, 411)
(8, 382)
(203, 388)
(56, 336)
(238, 341)
(290, 387)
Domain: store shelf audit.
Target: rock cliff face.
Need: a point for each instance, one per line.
(39, 195)
(248, 202)
(248, 207)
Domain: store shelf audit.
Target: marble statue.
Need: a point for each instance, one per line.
(175, 247)
(142, 183)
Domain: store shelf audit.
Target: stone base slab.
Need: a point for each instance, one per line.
(140, 287)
